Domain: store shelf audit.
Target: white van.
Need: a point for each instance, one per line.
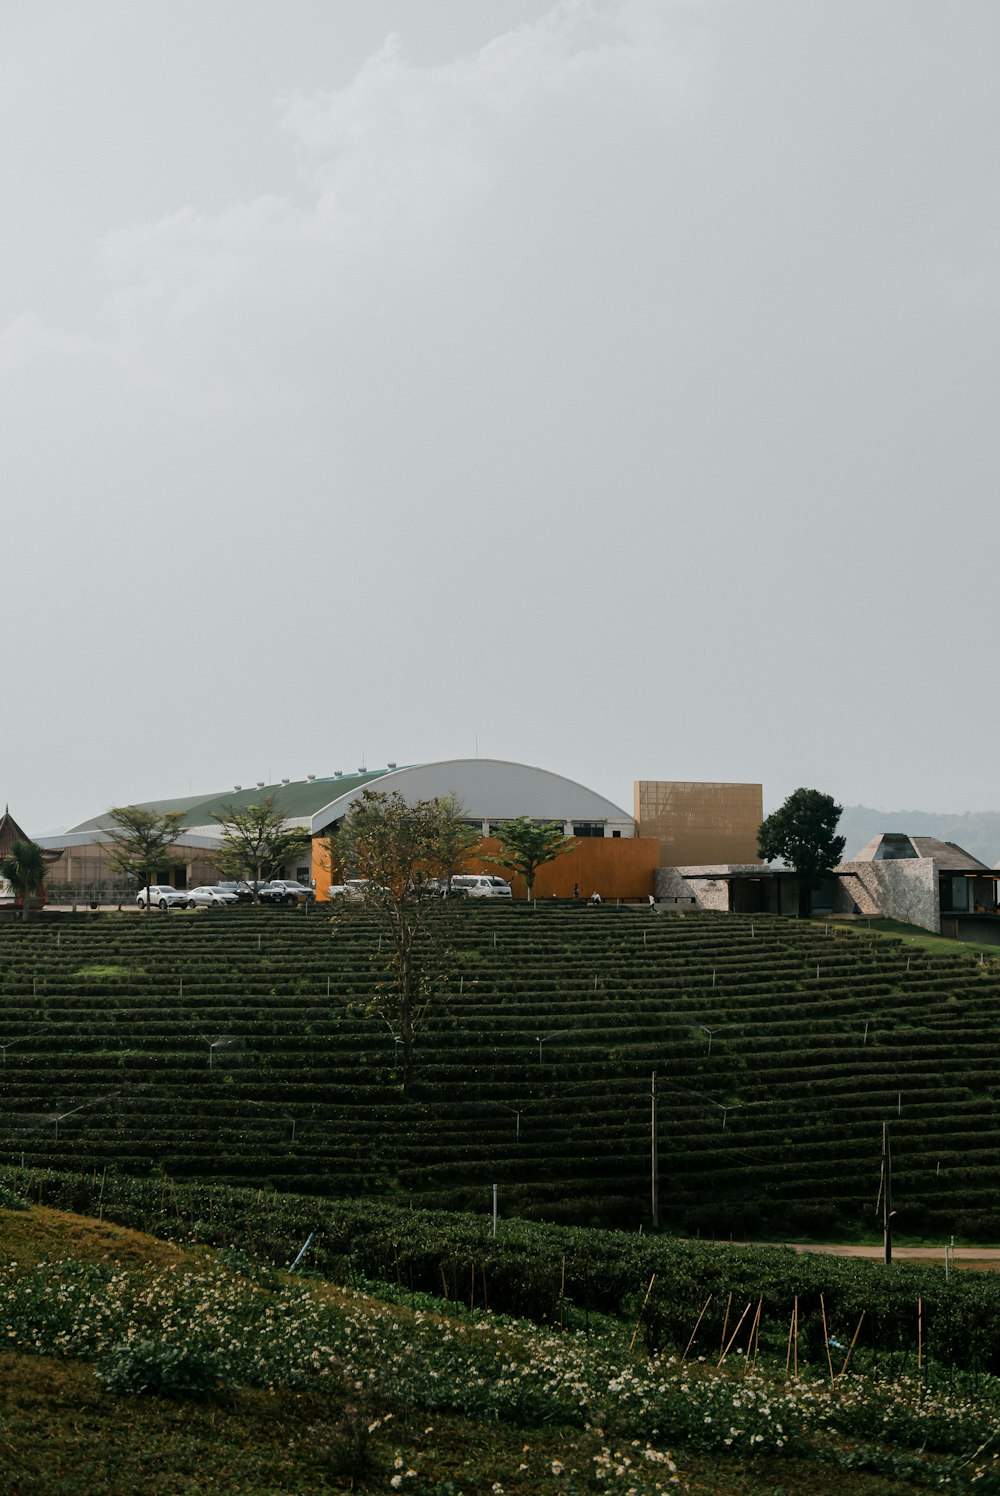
(480, 886)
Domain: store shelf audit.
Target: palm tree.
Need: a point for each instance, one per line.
(24, 869)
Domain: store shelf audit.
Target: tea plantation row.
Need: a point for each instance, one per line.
(238, 1045)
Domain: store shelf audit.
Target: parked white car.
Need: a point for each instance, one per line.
(208, 894)
(480, 886)
(161, 896)
(354, 888)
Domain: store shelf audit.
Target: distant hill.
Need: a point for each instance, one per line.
(977, 831)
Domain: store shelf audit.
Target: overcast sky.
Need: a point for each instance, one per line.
(610, 386)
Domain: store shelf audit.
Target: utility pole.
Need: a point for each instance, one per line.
(654, 1165)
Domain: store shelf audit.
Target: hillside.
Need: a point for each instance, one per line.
(131, 1364)
(977, 831)
(232, 1046)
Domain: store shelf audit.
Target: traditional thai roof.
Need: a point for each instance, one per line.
(10, 832)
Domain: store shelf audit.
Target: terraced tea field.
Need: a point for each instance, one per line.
(233, 1045)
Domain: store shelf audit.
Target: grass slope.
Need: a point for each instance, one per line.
(322, 1390)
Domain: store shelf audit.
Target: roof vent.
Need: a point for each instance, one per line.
(286, 781)
(362, 769)
(390, 764)
(338, 773)
(260, 784)
(237, 786)
(310, 777)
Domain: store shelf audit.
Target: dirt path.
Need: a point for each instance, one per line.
(984, 1259)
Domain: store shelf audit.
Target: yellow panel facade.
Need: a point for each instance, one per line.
(698, 824)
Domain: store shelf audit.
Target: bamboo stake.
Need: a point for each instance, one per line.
(694, 1332)
(920, 1334)
(797, 1336)
(444, 1281)
(483, 1271)
(750, 1338)
(755, 1331)
(791, 1330)
(729, 1347)
(725, 1322)
(826, 1340)
(642, 1311)
(562, 1294)
(472, 1290)
(850, 1349)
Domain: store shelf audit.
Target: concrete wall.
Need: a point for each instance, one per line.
(905, 889)
(698, 887)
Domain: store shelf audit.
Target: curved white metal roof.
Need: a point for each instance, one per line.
(489, 789)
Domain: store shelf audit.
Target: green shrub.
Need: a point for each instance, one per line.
(157, 1367)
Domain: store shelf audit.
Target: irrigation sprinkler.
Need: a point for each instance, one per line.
(865, 1036)
(281, 1117)
(57, 1117)
(10, 1044)
(214, 1044)
(517, 1115)
(706, 1030)
(544, 1038)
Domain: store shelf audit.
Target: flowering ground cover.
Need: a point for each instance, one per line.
(344, 1391)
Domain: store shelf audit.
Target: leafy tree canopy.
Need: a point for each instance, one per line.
(399, 848)
(802, 833)
(141, 840)
(24, 870)
(526, 845)
(256, 843)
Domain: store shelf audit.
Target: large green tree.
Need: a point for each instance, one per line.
(399, 848)
(256, 843)
(527, 845)
(141, 841)
(24, 870)
(802, 833)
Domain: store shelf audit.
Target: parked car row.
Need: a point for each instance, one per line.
(277, 891)
(461, 886)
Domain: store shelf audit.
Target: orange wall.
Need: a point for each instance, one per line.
(617, 867)
(321, 866)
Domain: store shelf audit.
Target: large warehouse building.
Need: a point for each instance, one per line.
(615, 853)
